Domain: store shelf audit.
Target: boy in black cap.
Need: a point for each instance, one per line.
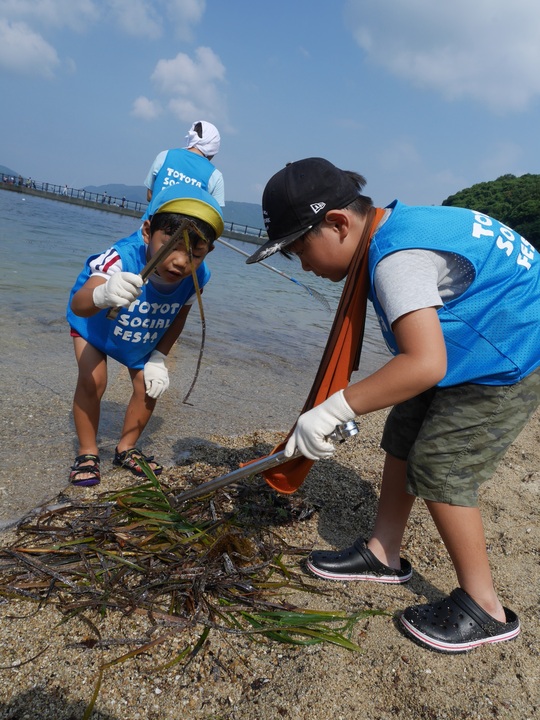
(457, 296)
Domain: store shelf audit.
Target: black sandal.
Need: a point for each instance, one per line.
(90, 469)
(129, 460)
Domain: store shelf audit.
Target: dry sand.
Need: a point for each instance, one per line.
(235, 679)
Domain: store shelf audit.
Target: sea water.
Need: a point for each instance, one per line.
(264, 337)
(252, 314)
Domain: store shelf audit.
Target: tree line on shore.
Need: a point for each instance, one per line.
(514, 201)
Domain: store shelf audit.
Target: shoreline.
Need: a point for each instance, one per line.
(230, 398)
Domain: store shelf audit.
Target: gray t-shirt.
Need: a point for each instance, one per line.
(409, 280)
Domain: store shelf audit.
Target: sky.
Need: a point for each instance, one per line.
(422, 97)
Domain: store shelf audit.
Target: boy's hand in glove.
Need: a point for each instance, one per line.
(120, 290)
(156, 375)
(315, 425)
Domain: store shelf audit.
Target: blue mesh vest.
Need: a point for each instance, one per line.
(182, 167)
(492, 330)
(137, 330)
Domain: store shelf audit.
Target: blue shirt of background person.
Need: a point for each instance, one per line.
(190, 165)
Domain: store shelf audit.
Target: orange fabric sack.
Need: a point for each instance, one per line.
(341, 355)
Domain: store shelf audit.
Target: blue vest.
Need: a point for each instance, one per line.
(137, 329)
(492, 330)
(182, 166)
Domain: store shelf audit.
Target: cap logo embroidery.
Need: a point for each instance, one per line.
(317, 207)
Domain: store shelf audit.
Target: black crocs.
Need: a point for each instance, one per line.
(356, 563)
(457, 624)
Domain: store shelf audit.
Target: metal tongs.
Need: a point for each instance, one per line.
(162, 254)
(339, 434)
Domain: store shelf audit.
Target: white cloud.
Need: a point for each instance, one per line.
(144, 18)
(486, 50)
(192, 85)
(23, 24)
(75, 15)
(137, 18)
(183, 14)
(25, 51)
(146, 109)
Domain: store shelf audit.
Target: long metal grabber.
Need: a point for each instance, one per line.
(340, 434)
(162, 254)
(314, 293)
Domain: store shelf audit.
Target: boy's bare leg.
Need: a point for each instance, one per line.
(460, 528)
(462, 532)
(91, 384)
(138, 413)
(394, 508)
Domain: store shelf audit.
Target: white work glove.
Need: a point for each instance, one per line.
(120, 290)
(156, 375)
(314, 426)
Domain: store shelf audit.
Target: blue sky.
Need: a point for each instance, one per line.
(423, 97)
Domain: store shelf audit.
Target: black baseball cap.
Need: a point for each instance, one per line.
(297, 198)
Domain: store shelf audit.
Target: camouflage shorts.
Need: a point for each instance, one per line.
(453, 438)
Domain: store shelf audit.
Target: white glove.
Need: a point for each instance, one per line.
(314, 426)
(156, 375)
(120, 290)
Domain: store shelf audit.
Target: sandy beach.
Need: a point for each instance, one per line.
(235, 679)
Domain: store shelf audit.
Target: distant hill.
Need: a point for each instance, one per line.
(7, 171)
(249, 214)
(243, 213)
(130, 192)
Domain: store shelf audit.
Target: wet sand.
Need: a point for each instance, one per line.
(36, 392)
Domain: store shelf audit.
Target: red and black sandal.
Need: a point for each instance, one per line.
(129, 459)
(85, 471)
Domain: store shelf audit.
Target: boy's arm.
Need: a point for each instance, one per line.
(156, 375)
(82, 302)
(420, 365)
(154, 169)
(216, 187)
(120, 290)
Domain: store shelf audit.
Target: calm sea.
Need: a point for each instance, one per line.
(251, 312)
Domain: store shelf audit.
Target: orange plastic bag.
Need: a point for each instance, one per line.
(341, 355)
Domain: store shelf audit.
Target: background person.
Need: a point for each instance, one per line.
(190, 165)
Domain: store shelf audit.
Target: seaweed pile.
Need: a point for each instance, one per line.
(205, 566)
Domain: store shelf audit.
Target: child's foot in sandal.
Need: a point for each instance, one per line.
(85, 471)
(129, 460)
